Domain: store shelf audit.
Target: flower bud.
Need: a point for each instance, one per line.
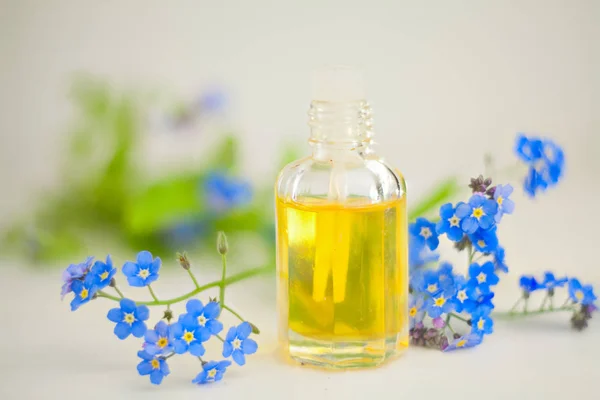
(183, 260)
(254, 328)
(222, 245)
(113, 282)
(168, 315)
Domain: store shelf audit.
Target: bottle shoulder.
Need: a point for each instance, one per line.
(370, 178)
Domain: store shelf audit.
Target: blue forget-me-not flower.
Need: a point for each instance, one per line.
(205, 315)
(224, 192)
(449, 223)
(142, 272)
(212, 371)
(103, 272)
(151, 365)
(478, 213)
(424, 232)
(237, 343)
(500, 259)
(483, 276)
(481, 322)
(74, 272)
(581, 294)
(485, 240)
(464, 342)
(159, 340)
(84, 291)
(505, 205)
(129, 318)
(189, 336)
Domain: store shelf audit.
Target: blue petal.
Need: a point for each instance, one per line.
(214, 326)
(156, 377)
(201, 377)
(77, 286)
(212, 310)
(122, 330)
(75, 303)
(223, 364)
(196, 349)
(463, 210)
(490, 207)
(164, 368)
(180, 346)
(115, 315)
(249, 346)
(230, 334)
(486, 221)
(227, 349)
(138, 329)
(194, 307)
(144, 368)
(152, 349)
(209, 365)
(219, 376)
(238, 357)
(244, 330)
(177, 329)
(508, 206)
(155, 266)
(136, 281)
(144, 258)
(127, 305)
(202, 334)
(476, 201)
(142, 313)
(469, 225)
(151, 278)
(145, 355)
(446, 211)
(455, 234)
(130, 269)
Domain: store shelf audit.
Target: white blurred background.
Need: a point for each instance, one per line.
(448, 81)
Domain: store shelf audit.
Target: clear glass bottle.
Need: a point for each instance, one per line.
(342, 240)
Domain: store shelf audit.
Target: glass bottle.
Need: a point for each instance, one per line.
(342, 239)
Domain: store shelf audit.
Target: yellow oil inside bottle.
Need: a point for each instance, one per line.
(342, 281)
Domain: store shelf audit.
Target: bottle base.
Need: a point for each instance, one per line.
(345, 354)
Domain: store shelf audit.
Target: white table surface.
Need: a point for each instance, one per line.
(50, 353)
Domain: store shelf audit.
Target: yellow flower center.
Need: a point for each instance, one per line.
(84, 294)
(162, 342)
(237, 343)
(129, 318)
(462, 295)
(432, 287)
(155, 364)
(481, 278)
(412, 312)
(461, 343)
(579, 295)
(212, 373)
(500, 200)
(478, 212)
(453, 221)
(440, 301)
(143, 273)
(480, 324)
(188, 337)
(426, 232)
(481, 243)
(104, 275)
(202, 320)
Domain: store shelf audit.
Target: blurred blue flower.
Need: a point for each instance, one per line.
(485, 240)
(424, 232)
(481, 322)
(482, 302)
(534, 182)
(212, 371)
(449, 223)
(465, 294)
(157, 368)
(84, 291)
(505, 205)
(550, 281)
(419, 254)
(416, 309)
(581, 294)
(144, 271)
(464, 342)
(103, 272)
(74, 272)
(530, 284)
(224, 192)
(440, 303)
(431, 282)
(499, 259)
(554, 157)
(445, 275)
(237, 343)
(483, 276)
(529, 149)
(129, 318)
(205, 315)
(189, 336)
(159, 340)
(478, 213)
(212, 100)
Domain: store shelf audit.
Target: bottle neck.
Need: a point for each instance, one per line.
(338, 129)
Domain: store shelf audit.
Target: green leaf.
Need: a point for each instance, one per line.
(439, 195)
(225, 156)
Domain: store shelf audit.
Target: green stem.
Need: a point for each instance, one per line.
(471, 254)
(119, 292)
(230, 280)
(233, 312)
(512, 309)
(220, 338)
(510, 315)
(193, 278)
(222, 286)
(459, 317)
(152, 293)
(201, 360)
(543, 303)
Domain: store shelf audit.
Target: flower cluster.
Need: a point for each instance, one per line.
(580, 298)
(200, 323)
(545, 160)
(441, 296)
